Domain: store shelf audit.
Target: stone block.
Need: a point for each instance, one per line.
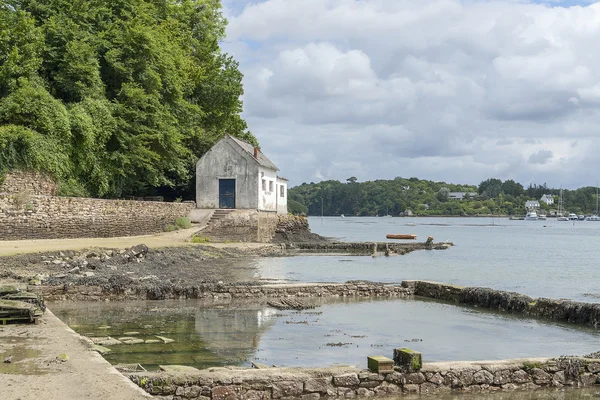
(226, 393)
(520, 376)
(317, 385)
(415, 377)
(369, 384)
(540, 377)
(502, 377)
(395, 377)
(287, 388)
(257, 395)
(483, 377)
(380, 364)
(408, 359)
(311, 396)
(411, 388)
(346, 380)
(428, 388)
(436, 379)
(587, 379)
(364, 392)
(593, 367)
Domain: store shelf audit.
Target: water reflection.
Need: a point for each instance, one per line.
(338, 332)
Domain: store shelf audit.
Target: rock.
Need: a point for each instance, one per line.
(178, 369)
(88, 274)
(100, 349)
(140, 249)
(411, 388)
(520, 376)
(415, 377)
(436, 379)
(226, 392)
(502, 377)
(153, 341)
(483, 377)
(133, 341)
(286, 388)
(8, 360)
(319, 385)
(131, 333)
(346, 380)
(164, 339)
(540, 376)
(63, 357)
(429, 388)
(311, 396)
(593, 367)
(257, 395)
(57, 262)
(364, 392)
(395, 377)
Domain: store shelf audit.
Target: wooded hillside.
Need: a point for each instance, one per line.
(423, 197)
(117, 97)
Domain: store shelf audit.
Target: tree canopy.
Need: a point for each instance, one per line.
(115, 98)
(423, 197)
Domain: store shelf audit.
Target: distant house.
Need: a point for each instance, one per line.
(460, 195)
(235, 174)
(405, 187)
(548, 199)
(532, 204)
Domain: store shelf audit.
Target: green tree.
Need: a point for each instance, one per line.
(443, 193)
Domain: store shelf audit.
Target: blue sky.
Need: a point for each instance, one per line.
(439, 89)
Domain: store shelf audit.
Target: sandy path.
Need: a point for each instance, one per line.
(36, 374)
(177, 238)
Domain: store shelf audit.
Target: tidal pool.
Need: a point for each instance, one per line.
(345, 332)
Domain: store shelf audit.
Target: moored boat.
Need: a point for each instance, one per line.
(400, 236)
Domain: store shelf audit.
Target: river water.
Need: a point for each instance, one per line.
(543, 258)
(538, 258)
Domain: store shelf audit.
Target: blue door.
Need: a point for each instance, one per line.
(226, 193)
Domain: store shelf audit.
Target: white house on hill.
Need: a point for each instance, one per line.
(532, 204)
(548, 199)
(236, 175)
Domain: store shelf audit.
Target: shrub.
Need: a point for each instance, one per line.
(200, 239)
(183, 222)
(171, 228)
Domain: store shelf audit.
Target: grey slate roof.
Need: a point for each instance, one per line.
(262, 159)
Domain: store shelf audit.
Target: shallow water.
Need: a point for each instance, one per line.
(538, 258)
(342, 332)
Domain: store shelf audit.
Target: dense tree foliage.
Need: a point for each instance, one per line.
(118, 97)
(422, 197)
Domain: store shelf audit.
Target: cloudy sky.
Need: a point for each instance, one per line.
(448, 90)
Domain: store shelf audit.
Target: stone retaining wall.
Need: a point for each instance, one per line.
(312, 384)
(28, 183)
(558, 310)
(117, 292)
(49, 217)
(243, 226)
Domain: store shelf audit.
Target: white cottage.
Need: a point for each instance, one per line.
(236, 175)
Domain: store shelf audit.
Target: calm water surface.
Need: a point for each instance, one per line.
(538, 258)
(345, 332)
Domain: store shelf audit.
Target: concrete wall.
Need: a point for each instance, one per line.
(48, 217)
(28, 182)
(349, 382)
(227, 161)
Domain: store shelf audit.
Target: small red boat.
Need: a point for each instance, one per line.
(400, 236)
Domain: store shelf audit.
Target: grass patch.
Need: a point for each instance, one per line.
(171, 228)
(529, 366)
(200, 239)
(183, 222)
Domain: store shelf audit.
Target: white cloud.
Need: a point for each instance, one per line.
(439, 89)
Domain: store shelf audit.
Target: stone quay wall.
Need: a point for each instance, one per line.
(313, 384)
(243, 226)
(558, 310)
(50, 217)
(28, 183)
(217, 291)
(367, 247)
